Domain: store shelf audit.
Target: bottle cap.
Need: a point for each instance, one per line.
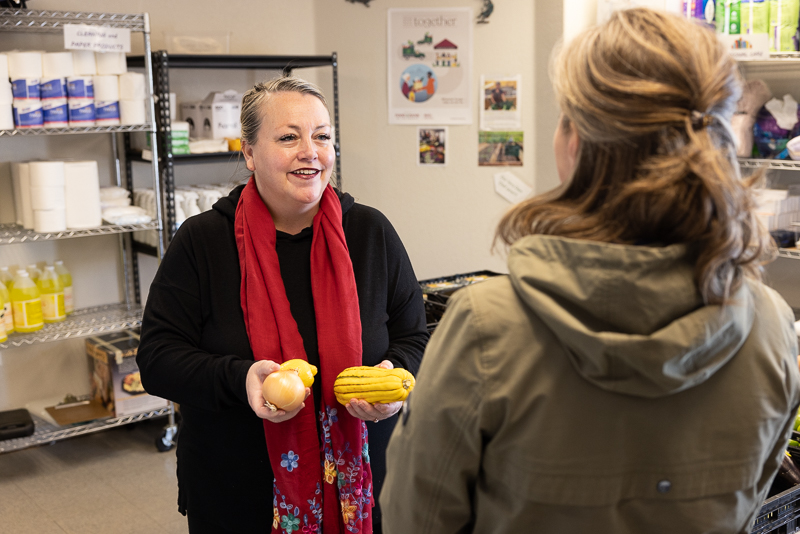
(22, 272)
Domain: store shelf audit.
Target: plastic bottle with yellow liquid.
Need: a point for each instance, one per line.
(6, 277)
(34, 272)
(26, 303)
(52, 295)
(8, 316)
(3, 335)
(66, 281)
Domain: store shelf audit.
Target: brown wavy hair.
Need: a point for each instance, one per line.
(651, 96)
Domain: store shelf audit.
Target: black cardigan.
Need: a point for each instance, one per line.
(194, 351)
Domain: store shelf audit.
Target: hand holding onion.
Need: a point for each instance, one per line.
(283, 390)
(256, 376)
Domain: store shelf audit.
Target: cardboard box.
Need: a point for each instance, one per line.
(115, 375)
(220, 112)
(190, 112)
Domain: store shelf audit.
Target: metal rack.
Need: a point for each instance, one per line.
(162, 62)
(98, 319)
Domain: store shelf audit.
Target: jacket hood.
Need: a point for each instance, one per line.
(630, 317)
(227, 205)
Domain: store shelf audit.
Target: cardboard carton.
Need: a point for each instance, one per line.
(115, 375)
(220, 115)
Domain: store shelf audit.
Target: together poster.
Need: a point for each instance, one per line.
(430, 61)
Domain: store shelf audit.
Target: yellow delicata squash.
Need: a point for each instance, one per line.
(373, 384)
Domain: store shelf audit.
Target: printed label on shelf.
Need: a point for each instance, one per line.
(747, 47)
(96, 38)
(53, 307)
(27, 314)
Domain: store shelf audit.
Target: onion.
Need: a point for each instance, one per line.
(283, 390)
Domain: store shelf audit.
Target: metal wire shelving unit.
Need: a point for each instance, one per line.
(98, 319)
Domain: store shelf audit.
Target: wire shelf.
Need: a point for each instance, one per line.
(34, 20)
(13, 234)
(82, 323)
(79, 130)
(779, 164)
(46, 432)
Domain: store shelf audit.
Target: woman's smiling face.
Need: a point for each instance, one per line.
(294, 154)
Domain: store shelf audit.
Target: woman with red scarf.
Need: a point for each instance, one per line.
(284, 267)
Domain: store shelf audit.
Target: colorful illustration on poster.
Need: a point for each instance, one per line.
(429, 67)
(432, 143)
(418, 83)
(496, 149)
(500, 95)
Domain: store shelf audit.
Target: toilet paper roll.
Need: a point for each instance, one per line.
(4, 67)
(131, 86)
(47, 198)
(28, 114)
(46, 174)
(24, 65)
(6, 117)
(25, 88)
(106, 113)
(45, 221)
(25, 195)
(111, 63)
(57, 65)
(132, 112)
(55, 112)
(81, 111)
(83, 63)
(80, 87)
(53, 88)
(106, 88)
(6, 93)
(173, 107)
(82, 194)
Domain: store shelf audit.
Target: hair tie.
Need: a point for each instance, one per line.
(700, 120)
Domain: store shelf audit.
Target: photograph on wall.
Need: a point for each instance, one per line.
(432, 143)
(500, 102)
(430, 61)
(499, 149)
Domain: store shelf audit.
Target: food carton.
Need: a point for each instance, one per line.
(115, 375)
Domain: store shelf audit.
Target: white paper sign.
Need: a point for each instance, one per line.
(748, 47)
(511, 188)
(96, 38)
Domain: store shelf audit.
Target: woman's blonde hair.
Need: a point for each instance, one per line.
(252, 114)
(651, 96)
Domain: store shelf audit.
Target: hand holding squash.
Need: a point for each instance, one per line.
(373, 411)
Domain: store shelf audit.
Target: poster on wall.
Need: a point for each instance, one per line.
(500, 149)
(500, 102)
(429, 66)
(432, 146)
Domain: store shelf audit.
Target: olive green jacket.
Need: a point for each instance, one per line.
(592, 391)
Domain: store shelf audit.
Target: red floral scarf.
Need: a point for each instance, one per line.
(323, 483)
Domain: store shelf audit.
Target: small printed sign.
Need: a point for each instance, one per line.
(511, 188)
(747, 47)
(96, 38)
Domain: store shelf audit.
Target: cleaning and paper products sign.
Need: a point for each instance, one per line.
(96, 38)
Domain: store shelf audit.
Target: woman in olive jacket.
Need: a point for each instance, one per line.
(632, 373)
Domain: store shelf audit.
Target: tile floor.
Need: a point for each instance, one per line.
(109, 482)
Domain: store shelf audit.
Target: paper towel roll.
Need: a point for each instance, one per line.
(131, 86)
(82, 194)
(25, 88)
(81, 111)
(111, 63)
(57, 65)
(132, 112)
(24, 65)
(53, 88)
(25, 195)
(45, 221)
(46, 174)
(3, 66)
(106, 88)
(55, 112)
(28, 113)
(83, 63)
(80, 87)
(173, 107)
(47, 198)
(106, 112)
(6, 117)
(6, 95)
(15, 185)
